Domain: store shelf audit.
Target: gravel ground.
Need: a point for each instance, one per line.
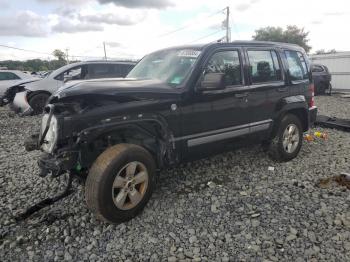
(246, 212)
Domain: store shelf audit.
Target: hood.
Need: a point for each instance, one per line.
(42, 84)
(5, 85)
(72, 83)
(115, 89)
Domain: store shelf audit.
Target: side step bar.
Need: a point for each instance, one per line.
(333, 122)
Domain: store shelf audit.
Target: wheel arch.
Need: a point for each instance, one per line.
(293, 105)
(30, 94)
(151, 134)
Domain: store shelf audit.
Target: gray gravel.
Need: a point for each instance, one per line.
(245, 212)
(333, 106)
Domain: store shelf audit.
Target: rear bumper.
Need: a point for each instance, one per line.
(312, 115)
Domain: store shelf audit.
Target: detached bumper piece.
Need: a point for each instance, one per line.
(333, 122)
(57, 165)
(48, 201)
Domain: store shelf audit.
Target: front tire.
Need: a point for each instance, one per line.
(287, 143)
(120, 182)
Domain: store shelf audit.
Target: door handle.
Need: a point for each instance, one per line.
(282, 89)
(241, 95)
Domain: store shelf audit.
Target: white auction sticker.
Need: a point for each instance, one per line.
(188, 53)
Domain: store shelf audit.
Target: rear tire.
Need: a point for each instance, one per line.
(37, 102)
(321, 89)
(111, 191)
(287, 143)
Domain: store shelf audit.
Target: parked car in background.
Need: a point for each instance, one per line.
(176, 105)
(31, 98)
(322, 79)
(9, 78)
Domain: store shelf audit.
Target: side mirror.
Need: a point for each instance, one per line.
(67, 78)
(212, 81)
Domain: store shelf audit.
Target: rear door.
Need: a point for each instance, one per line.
(267, 86)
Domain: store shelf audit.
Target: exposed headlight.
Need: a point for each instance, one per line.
(51, 135)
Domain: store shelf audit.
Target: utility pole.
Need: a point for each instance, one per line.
(104, 48)
(227, 25)
(67, 56)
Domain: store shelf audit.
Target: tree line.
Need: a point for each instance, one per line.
(35, 65)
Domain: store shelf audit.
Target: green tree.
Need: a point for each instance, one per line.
(322, 51)
(292, 34)
(59, 54)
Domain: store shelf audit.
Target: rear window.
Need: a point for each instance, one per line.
(298, 69)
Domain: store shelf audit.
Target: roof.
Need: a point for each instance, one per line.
(239, 43)
(106, 62)
(11, 71)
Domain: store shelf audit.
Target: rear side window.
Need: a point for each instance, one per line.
(297, 65)
(226, 62)
(8, 76)
(264, 66)
(100, 70)
(108, 70)
(121, 70)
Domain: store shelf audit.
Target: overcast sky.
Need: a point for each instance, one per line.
(132, 28)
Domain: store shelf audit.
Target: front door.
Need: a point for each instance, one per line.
(214, 119)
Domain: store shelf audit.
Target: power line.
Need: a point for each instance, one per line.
(43, 53)
(189, 25)
(26, 50)
(203, 37)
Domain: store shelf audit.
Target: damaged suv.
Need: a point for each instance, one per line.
(176, 105)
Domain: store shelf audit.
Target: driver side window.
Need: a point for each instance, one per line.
(228, 63)
(75, 73)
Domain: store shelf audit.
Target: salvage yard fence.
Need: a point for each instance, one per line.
(339, 67)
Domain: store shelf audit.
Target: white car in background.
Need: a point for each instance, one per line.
(9, 78)
(31, 98)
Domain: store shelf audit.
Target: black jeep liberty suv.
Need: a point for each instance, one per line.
(176, 105)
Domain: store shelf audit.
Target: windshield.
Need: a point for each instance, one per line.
(170, 66)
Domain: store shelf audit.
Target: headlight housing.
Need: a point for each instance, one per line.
(50, 139)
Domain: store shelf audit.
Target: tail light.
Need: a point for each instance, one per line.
(312, 98)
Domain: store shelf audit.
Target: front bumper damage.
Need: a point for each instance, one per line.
(53, 164)
(57, 165)
(63, 160)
